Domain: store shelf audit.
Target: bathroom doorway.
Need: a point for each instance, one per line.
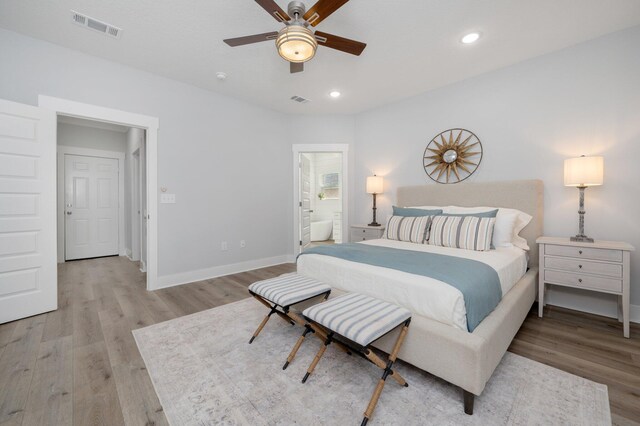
(320, 192)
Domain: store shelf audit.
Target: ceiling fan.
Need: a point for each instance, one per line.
(296, 42)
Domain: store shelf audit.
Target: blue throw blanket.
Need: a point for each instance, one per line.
(478, 282)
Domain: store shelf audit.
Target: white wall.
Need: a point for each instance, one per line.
(232, 180)
(530, 117)
(92, 138)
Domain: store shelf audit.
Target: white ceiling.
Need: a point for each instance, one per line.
(413, 45)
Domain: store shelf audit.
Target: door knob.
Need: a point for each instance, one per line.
(69, 213)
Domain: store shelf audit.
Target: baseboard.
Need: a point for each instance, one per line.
(594, 303)
(219, 271)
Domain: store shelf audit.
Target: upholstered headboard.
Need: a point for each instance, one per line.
(525, 195)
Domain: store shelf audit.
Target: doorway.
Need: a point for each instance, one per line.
(91, 207)
(138, 210)
(320, 195)
(148, 130)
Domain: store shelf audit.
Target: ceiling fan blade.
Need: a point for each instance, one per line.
(340, 43)
(256, 38)
(274, 10)
(321, 10)
(295, 67)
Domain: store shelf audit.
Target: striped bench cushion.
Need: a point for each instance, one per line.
(357, 317)
(289, 289)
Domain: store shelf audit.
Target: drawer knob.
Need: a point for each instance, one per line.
(580, 266)
(580, 252)
(579, 280)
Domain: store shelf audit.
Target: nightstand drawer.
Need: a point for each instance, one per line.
(584, 252)
(584, 266)
(364, 234)
(584, 281)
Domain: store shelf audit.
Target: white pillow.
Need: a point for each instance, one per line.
(522, 221)
(509, 223)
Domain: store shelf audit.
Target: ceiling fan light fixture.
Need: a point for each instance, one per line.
(296, 43)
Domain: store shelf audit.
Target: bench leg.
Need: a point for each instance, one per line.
(374, 398)
(292, 355)
(468, 402)
(262, 324)
(387, 371)
(317, 358)
(380, 363)
(268, 305)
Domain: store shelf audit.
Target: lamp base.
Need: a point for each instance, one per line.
(582, 239)
(374, 224)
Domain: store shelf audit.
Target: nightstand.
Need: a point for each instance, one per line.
(602, 266)
(365, 232)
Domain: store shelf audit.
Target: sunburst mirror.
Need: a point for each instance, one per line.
(452, 156)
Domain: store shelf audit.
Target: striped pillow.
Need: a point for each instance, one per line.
(406, 228)
(465, 232)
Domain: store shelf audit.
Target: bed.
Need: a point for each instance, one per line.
(439, 341)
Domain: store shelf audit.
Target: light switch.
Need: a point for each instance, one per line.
(167, 198)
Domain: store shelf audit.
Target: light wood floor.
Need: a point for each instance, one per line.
(80, 365)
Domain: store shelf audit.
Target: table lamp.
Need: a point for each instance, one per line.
(583, 172)
(374, 186)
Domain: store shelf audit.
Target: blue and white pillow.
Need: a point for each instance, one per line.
(465, 232)
(414, 229)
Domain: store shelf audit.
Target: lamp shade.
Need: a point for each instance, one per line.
(374, 185)
(584, 171)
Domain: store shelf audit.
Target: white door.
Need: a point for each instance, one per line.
(305, 201)
(91, 206)
(28, 277)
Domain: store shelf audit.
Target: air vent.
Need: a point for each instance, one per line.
(300, 99)
(95, 24)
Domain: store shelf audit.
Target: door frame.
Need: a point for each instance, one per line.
(150, 124)
(88, 152)
(136, 210)
(317, 148)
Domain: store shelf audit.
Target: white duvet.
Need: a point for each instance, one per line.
(424, 296)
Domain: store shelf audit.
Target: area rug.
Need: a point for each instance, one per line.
(205, 373)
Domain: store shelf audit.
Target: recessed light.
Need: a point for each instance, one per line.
(335, 94)
(470, 38)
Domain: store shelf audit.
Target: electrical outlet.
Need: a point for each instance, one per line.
(224, 246)
(243, 243)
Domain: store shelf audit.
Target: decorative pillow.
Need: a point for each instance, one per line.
(407, 228)
(465, 232)
(490, 213)
(509, 223)
(413, 212)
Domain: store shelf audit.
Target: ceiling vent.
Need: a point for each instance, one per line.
(95, 25)
(300, 99)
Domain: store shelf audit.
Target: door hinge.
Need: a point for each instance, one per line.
(300, 242)
(300, 203)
